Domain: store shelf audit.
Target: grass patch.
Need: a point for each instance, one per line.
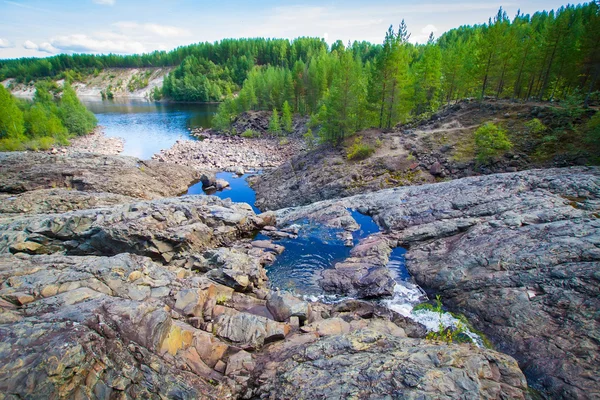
(359, 150)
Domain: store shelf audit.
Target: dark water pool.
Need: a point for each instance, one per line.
(149, 127)
(238, 191)
(318, 248)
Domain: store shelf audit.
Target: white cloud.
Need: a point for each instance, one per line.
(155, 29)
(48, 48)
(29, 45)
(105, 2)
(428, 29)
(86, 44)
(5, 44)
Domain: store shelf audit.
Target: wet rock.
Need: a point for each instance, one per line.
(510, 251)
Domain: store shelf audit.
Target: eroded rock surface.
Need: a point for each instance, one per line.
(518, 254)
(169, 298)
(128, 176)
(372, 364)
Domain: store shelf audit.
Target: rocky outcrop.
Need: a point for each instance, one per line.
(127, 176)
(425, 151)
(46, 201)
(169, 298)
(369, 363)
(517, 253)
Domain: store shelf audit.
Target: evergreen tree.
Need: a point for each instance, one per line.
(286, 117)
(274, 124)
(344, 100)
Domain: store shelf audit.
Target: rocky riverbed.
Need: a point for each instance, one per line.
(517, 253)
(122, 290)
(219, 152)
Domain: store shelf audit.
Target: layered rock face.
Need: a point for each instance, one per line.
(128, 176)
(518, 254)
(106, 296)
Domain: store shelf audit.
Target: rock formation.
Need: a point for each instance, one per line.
(517, 253)
(106, 296)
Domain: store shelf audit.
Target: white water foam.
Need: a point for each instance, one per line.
(407, 295)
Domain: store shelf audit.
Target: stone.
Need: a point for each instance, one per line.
(370, 364)
(436, 169)
(284, 305)
(221, 184)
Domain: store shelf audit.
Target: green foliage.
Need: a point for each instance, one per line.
(50, 119)
(75, 116)
(592, 135)
(249, 133)
(309, 139)
(11, 117)
(490, 142)
(108, 93)
(535, 126)
(286, 117)
(156, 93)
(274, 124)
(197, 79)
(359, 150)
(444, 334)
(224, 116)
(139, 81)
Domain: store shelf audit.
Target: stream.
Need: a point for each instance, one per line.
(148, 127)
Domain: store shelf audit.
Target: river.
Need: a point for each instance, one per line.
(149, 127)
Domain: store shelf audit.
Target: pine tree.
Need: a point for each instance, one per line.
(344, 101)
(274, 124)
(286, 117)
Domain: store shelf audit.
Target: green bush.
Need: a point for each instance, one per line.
(11, 144)
(592, 135)
(490, 142)
(249, 133)
(535, 126)
(310, 140)
(359, 150)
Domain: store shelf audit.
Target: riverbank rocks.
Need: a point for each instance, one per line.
(517, 253)
(371, 364)
(169, 299)
(230, 153)
(24, 171)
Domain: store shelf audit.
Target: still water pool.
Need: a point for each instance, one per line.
(149, 127)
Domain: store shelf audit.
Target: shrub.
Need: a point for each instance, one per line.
(11, 144)
(359, 150)
(250, 133)
(46, 142)
(535, 126)
(592, 135)
(490, 142)
(310, 139)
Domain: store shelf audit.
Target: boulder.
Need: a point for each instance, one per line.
(284, 305)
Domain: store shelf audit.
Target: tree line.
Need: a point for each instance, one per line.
(544, 56)
(54, 116)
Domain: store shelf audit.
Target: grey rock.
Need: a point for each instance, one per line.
(284, 305)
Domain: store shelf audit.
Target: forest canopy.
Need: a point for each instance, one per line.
(549, 55)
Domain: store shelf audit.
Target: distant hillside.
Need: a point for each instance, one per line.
(121, 82)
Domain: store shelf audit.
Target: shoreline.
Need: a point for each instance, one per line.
(95, 142)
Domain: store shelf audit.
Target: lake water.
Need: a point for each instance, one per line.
(149, 127)
(238, 191)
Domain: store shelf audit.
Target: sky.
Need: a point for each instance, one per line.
(39, 28)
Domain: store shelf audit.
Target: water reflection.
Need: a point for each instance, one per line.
(148, 127)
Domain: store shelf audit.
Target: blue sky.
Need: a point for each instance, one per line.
(41, 28)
